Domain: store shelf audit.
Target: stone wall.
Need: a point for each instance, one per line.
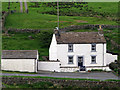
(69, 28)
(24, 30)
(3, 18)
(62, 83)
(89, 26)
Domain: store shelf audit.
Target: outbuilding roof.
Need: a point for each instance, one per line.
(19, 54)
(80, 38)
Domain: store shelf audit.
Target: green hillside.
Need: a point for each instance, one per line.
(43, 16)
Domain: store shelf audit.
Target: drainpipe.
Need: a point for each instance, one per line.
(103, 54)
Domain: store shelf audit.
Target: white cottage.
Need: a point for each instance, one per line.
(80, 51)
(19, 60)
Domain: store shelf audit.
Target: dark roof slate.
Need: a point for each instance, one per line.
(19, 54)
(80, 38)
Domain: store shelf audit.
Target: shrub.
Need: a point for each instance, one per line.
(96, 70)
(115, 70)
(113, 66)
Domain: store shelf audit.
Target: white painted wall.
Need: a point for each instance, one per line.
(49, 66)
(80, 50)
(53, 49)
(23, 65)
(110, 58)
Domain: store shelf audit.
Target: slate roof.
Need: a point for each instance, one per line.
(80, 38)
(19, 54)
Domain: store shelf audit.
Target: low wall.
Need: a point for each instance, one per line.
(69, 69)
(103, 68)
(49, 66)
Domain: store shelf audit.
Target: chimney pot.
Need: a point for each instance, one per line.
(56, 31)
(100, 30)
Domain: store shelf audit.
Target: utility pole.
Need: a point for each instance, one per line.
(58, 12)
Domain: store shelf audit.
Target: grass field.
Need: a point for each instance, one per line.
(107, 7)
(44, 21)
(35, 19)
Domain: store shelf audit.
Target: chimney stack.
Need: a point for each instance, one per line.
(56, 31)
(100, 30)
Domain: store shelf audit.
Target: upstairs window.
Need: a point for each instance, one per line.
(93, 47)
(70, 59)
(70, 47)
(93, 59)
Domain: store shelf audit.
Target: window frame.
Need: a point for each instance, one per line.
(93, 47)
(69, 60)
(94, 60)
(70, 49)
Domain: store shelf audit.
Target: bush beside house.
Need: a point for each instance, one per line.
(115, 66)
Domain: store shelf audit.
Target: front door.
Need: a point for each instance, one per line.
(80, 63)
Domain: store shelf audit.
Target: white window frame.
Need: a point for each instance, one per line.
(70, 47)
(69, 60)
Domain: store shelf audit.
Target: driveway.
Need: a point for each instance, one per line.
(85, 75)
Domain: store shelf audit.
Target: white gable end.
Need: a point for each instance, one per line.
(53, 49)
